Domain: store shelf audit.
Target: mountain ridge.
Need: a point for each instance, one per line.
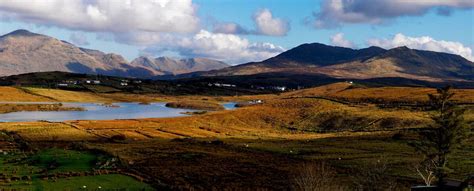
(365, 63)
(22, 51)
(179, 66)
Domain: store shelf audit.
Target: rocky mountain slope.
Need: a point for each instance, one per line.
(367, 63)
(22, 51)
(182, 66)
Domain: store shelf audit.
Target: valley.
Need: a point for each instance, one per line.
(231, 95)
(348, 127)
(313, 117)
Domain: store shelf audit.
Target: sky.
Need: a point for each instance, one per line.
(240, 31)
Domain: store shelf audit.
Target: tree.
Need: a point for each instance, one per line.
(316, 177)
(426, 170)
(445, 135)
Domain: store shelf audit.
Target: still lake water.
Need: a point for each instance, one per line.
(96, 111)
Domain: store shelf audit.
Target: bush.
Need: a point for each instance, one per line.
(120, 137)
(374, 176)
(316, 177)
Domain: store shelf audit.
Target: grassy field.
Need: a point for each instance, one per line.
(68, 96)
(12, 94)
(63, 160)
(273, 164)
(8, 108)
(99, 182)
(59, 169)
(255, 147)
(353, 92)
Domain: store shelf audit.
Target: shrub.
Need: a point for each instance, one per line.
(316, 177)
(120, 137)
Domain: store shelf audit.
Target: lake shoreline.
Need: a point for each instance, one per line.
(60, 112)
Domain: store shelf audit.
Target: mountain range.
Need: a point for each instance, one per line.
(22, 51)
(367, 63)
(181, 66)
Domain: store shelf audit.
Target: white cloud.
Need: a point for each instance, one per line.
(424, 43)
(79, 39)
(339, 40)
(226, 47)
(335, 12)
(140, 39)
(153, 25)
(229, 28)
(268, 25)
(265, 24)
(106, 15)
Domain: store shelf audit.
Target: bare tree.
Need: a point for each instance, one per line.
(426, 170)
(316, 177)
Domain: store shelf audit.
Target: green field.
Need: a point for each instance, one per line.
(23, 171)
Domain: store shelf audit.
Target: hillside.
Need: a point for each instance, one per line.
(306, 65)
(22, 52)
(357, 93)
(111, 84)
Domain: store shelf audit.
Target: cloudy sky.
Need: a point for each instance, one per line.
(239, 31)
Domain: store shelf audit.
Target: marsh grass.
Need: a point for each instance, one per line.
(8, 108)
(201, 105)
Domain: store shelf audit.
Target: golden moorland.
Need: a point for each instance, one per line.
(255, 146)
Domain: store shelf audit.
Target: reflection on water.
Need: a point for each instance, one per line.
(99, 112)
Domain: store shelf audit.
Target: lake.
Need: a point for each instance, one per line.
(95, 111)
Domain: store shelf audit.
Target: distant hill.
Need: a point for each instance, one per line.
(182, 66)
(22, 51)
(369, 63)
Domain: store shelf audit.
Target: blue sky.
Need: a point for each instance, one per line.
(446, 26)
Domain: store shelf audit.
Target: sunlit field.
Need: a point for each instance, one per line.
(256, 146)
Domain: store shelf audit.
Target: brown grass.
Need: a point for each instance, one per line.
(276, 119)
(7, 108)
(409, 94)
(45, 131)
(199, 105)
(69, 96)
(262, 144)
(296, 118)
(12, 94)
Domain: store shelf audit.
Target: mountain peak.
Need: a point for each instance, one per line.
(374, 48)
(401, 48)
(21, 32)
(317, 54)
(171, 65)
(165, 58)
